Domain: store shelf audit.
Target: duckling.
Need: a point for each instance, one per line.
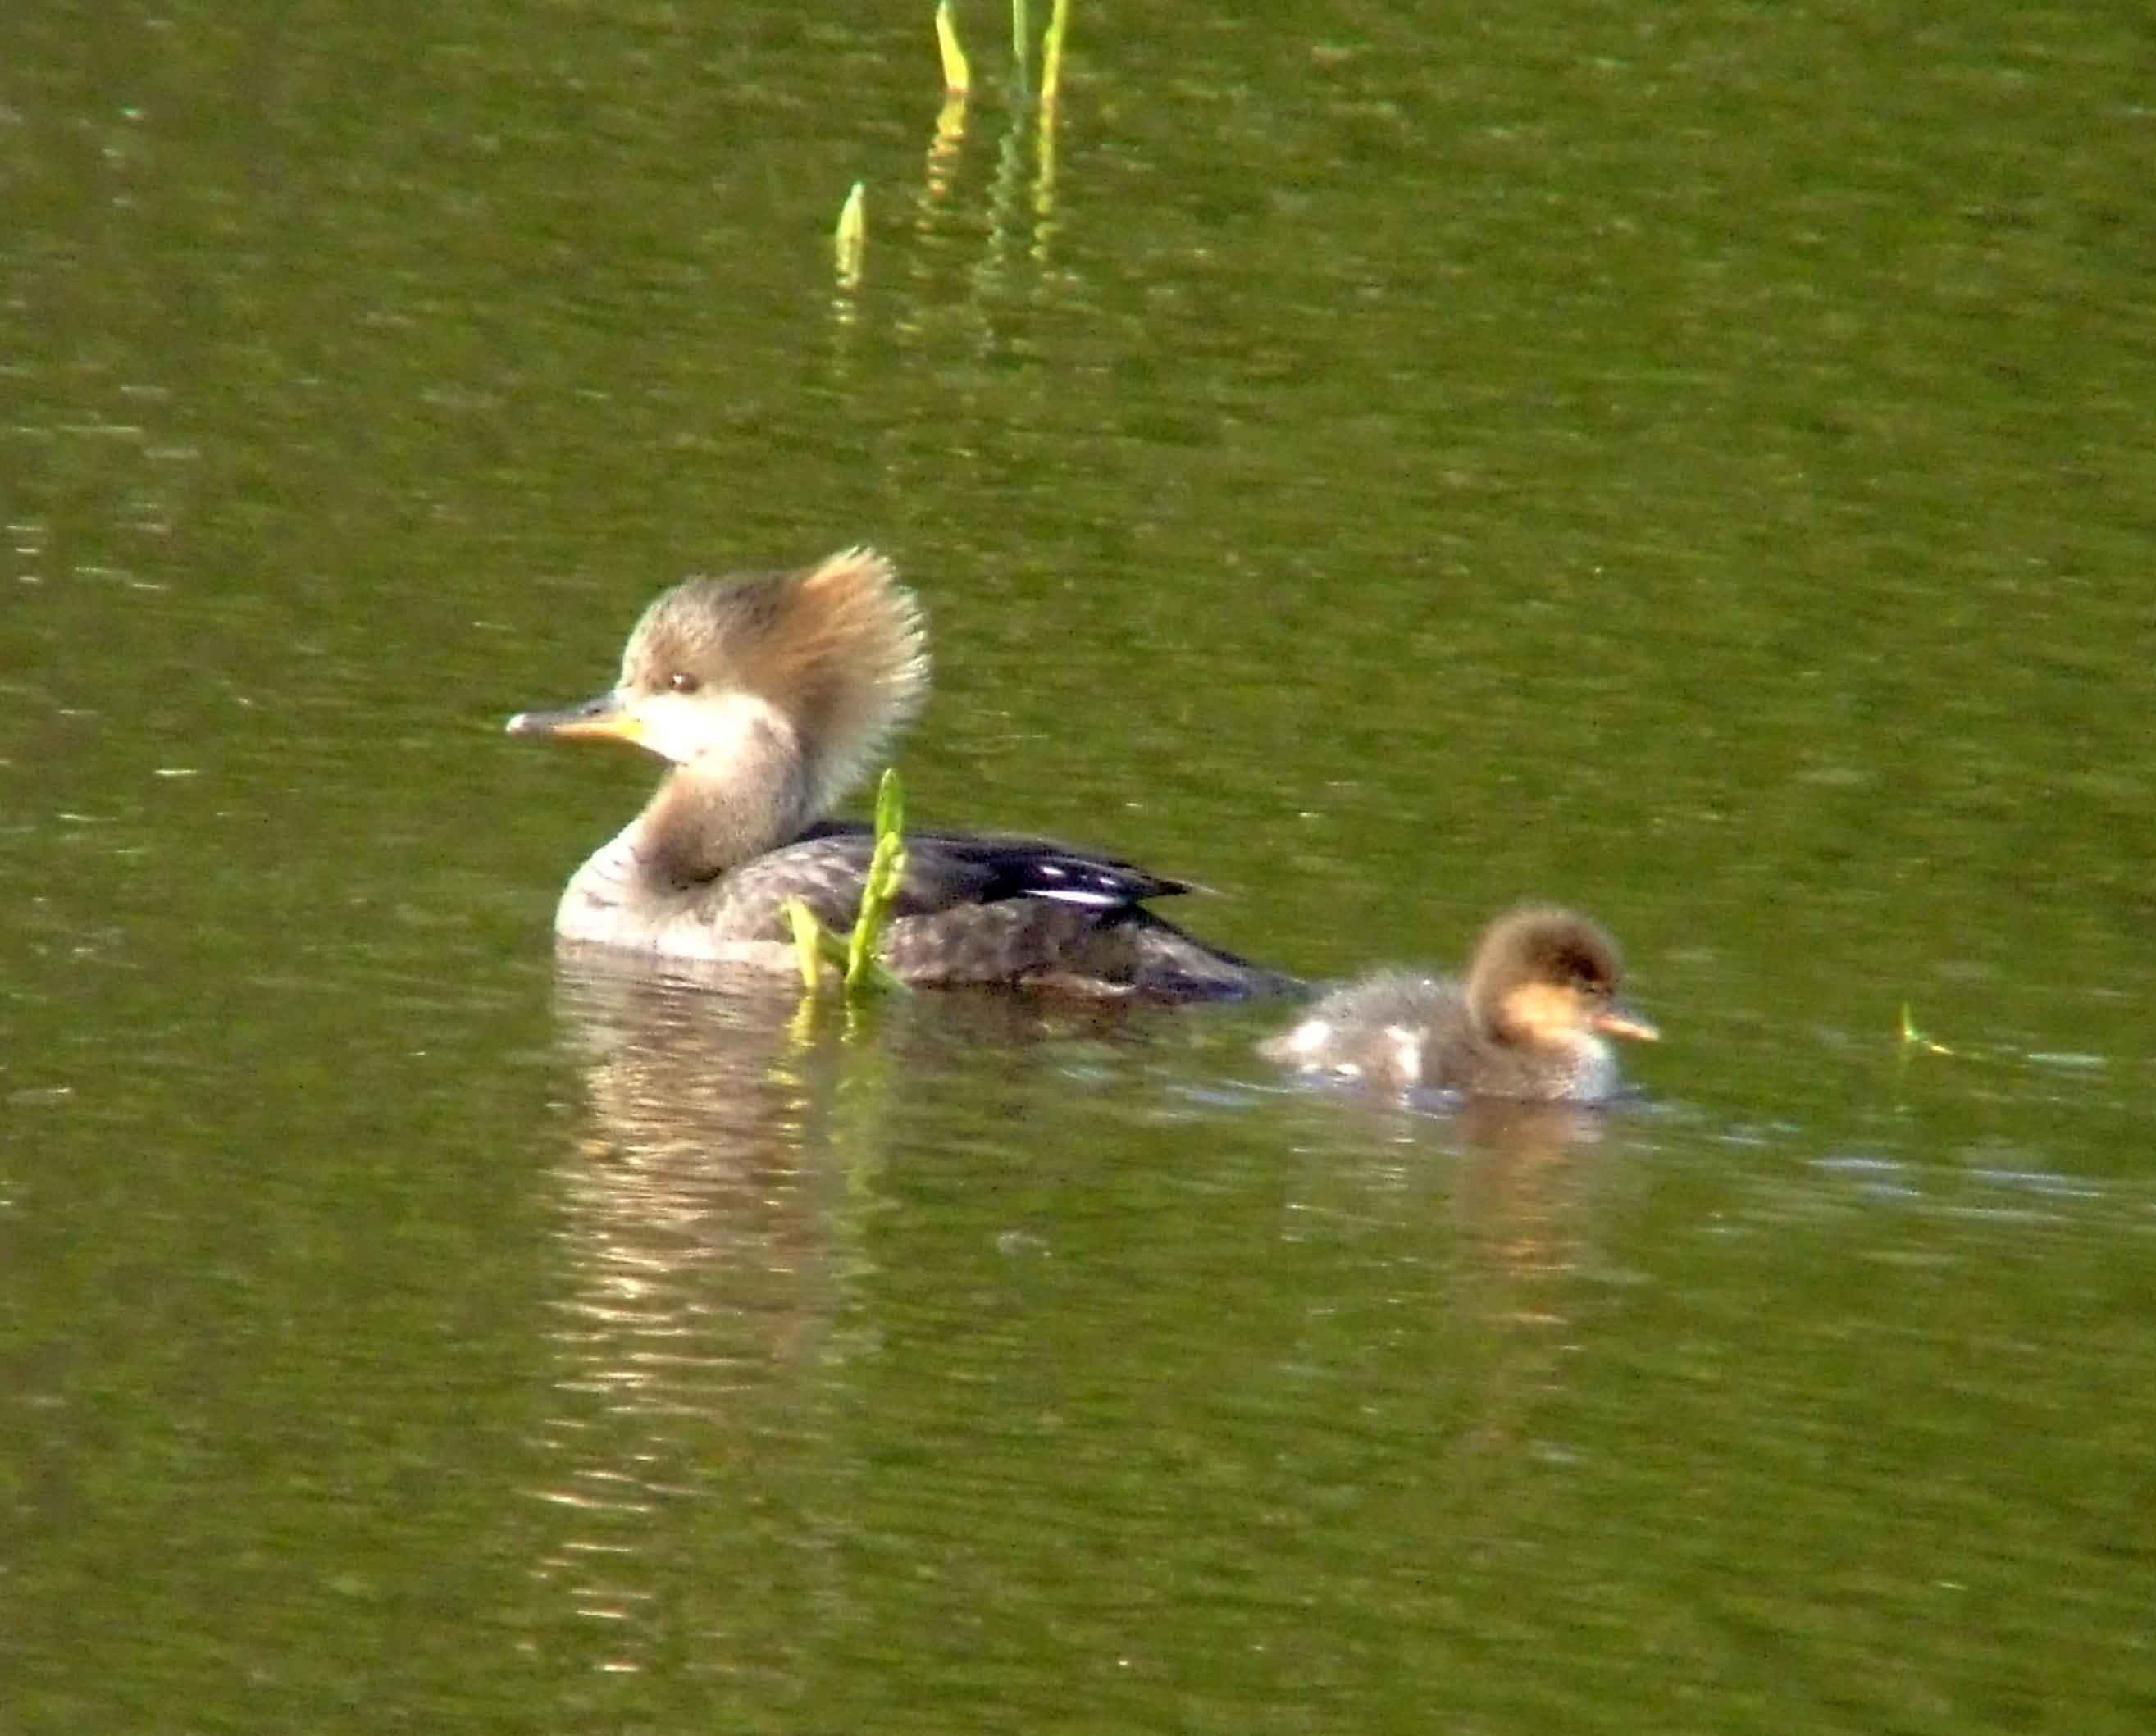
(769, 695)
(1528, 1022)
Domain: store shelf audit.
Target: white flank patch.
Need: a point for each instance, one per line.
(1310, 1037)
(1407, 1047)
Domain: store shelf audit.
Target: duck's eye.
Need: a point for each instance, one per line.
(681, 682)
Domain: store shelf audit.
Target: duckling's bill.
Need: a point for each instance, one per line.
(604, 718)
(1624, 1022)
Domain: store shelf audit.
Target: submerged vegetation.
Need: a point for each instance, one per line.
(1913, 1038)
(850, 238)
(957, 74)
(861, 973)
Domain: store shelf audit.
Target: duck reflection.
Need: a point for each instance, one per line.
(696, 1167)
(1533, 1183)
(1502, 1203)
(715, 1206)
(708, 1206)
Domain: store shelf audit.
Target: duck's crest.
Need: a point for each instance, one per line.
(1540, 943)
(858, 659)
(839, 649)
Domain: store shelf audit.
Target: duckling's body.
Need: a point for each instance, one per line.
(1529, 1021)
(770, 694)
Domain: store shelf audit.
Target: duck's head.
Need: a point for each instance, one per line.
(825, 663)
(1547, 978)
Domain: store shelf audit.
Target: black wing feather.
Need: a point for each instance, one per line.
(947, 868)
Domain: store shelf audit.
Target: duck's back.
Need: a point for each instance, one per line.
(988, 908)
(1382, 1029)
(970, 909)
(1397, 1029)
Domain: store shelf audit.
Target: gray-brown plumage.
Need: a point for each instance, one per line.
(1529, 1021)
(770, 694)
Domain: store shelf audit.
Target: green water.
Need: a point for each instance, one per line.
(1380, 462)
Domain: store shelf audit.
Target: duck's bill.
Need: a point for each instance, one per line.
(601, 719)
(1624, 1022)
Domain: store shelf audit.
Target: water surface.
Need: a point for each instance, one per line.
(1382, 463)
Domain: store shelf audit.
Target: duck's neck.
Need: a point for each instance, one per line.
(1540, 1026)
(727, 807)
(718, 812)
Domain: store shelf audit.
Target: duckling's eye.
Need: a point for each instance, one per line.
(681, 682)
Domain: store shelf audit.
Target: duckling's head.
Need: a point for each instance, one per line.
(831, 660)
(1547, 978)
